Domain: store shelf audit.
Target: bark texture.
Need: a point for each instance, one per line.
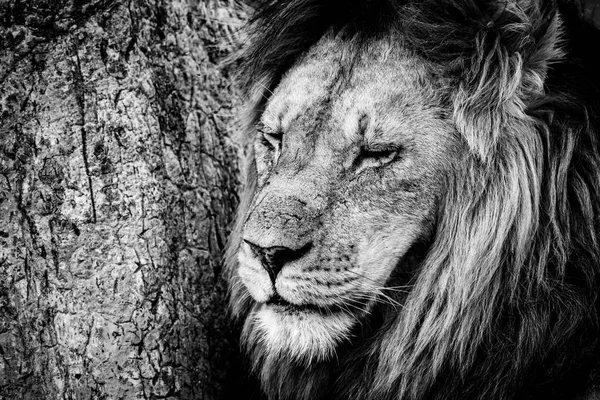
(117, 186)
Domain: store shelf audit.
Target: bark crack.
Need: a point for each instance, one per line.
(80, 97)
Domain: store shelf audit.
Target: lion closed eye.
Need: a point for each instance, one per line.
(420, 213)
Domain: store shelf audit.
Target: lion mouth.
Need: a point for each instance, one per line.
(279, 304)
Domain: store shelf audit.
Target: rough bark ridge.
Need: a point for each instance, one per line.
(117, 185)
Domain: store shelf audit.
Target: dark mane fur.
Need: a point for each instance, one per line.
(439, 30)
(527, 103)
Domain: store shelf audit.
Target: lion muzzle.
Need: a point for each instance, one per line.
(278, 232)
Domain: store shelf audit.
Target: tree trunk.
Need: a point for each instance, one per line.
(117, 186)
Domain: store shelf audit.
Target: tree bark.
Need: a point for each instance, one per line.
(117, 186)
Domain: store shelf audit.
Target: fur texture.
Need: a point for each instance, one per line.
(504, 287)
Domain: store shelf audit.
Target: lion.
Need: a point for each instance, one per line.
(421, 207)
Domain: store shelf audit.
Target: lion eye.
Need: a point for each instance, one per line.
(383, 155)
(272, 139)
(377, 157)
(268, 147)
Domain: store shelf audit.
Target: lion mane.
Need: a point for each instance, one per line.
(504, 301)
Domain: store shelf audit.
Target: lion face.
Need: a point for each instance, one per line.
(351, 165)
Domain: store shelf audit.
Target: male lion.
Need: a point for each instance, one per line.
(420, 217)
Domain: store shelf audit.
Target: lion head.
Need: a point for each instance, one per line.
(420, 213)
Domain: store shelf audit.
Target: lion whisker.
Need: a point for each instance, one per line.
(378, 300)
(348, 302)
(380, 289)
(397, 287)
(380, 295)
(401, 289)
(259, 83)
(363, 276)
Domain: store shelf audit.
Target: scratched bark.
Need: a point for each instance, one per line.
(117, 186)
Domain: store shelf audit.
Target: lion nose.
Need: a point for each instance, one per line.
(274, 258)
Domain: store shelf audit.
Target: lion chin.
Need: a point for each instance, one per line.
(300, 334)
(419, 216)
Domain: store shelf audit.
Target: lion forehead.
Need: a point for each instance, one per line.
(306, 84)
(380, 96)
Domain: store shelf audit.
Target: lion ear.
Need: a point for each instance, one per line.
(507, 72)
